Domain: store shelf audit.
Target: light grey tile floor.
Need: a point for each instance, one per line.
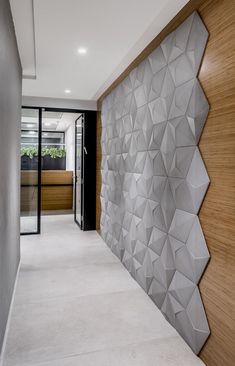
(76, 305)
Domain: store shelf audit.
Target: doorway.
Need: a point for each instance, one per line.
(52, 165)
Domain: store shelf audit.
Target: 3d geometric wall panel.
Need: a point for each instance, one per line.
(154, 179)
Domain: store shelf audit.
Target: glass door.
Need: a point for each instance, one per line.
(78, 176)
(30, 170)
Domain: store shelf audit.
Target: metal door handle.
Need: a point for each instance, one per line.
(85, 150)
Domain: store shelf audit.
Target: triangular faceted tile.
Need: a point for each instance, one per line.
(140, 205)
(197, 42)
(154, 179)
(196, 243)
(157, 84)
(140, 161)
(167, 45)
(126, 126)
(181, 288)
(160, 274)
(148, 218)
(197, 317)
(140, 96)
(197, 111)
(181, 161)
(157, 135)
(181, 36)
(181, 225)
(168, 147)
(157, 188)
(144, 186)
(157, 60)
(144, 233)
(168, 87)
(157, 292)
(144, 281)
(157, 240)
(167, 205)
(149, 259)
(181, 99)
(197, 180)
(159, 109)
(184, 136)
(168, 262)
(181, 70)
(140, 250)
(159, 218)
(158, 164)
(141, 142)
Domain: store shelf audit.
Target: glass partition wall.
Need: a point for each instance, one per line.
(30, 170)
(53, 156)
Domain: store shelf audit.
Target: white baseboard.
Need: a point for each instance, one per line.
(9, 318)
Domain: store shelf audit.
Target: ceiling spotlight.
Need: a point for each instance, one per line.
(47, 124)
(82, 51)
(67, 91)
(32, 132)
(29, 125)
(45, 134)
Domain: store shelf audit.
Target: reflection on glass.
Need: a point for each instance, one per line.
(29, 170)
(78, 134)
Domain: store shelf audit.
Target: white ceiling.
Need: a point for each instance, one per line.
(49, 32)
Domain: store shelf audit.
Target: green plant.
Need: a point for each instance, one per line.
(29, 151)
(53, 152)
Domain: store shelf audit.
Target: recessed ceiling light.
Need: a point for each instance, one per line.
(82, 51)
(32, 132)
(29, 125)
(47, 124)
(67, 91)
(45, 134)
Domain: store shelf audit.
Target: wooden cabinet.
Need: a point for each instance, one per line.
(56, 190)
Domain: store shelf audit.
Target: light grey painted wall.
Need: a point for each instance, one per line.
(89, 105)
(10, 110)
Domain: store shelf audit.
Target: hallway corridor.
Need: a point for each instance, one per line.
(76, 305)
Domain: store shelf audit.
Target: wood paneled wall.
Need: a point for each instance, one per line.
(217, 146)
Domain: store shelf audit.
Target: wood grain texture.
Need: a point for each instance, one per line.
(57, 198)
(52, 197)
(57, 177)
(217, 146)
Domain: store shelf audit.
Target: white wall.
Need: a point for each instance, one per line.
(69, 145)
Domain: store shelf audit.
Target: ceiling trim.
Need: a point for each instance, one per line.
(33, 77)
(45, 102)
(24, 23)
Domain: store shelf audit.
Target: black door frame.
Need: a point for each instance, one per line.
(80, 224)
(41, 110)
(38, 231)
